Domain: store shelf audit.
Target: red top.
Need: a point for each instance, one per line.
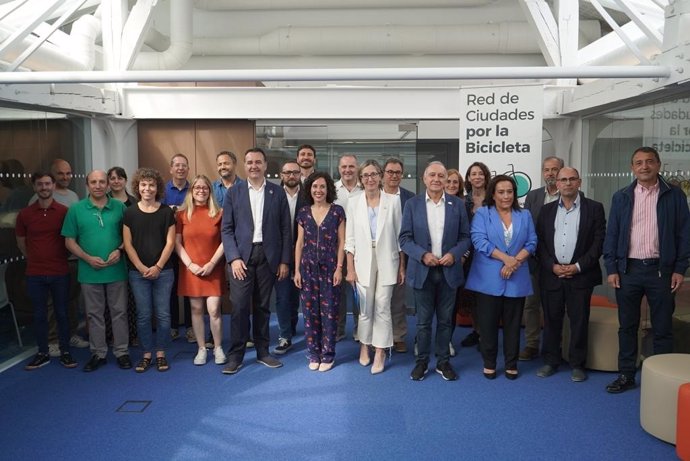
(45, 247)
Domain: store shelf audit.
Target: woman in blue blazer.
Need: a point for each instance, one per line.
(503, 237)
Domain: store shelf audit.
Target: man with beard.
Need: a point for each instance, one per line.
(38, 238)
(62, 172)
(306, 159)
(226, 162)
(346, 187)
(533, 202)
(287, 294)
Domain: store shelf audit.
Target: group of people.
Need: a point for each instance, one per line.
(460, 244)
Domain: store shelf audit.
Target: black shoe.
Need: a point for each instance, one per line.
(40, 360)
(124, 362)
(269, 361)
(231, 368)
(67, 361)
(621, 384)
(489, 374)
(512, 376)
(284, 345)
(578, 375)
(419, 371)
(94, 363)
(470, 340)
(445, 369)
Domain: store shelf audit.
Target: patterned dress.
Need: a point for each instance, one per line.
(319, 298)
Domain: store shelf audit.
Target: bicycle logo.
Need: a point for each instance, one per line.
(522, 180)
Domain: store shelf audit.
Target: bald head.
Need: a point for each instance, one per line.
(62, 171)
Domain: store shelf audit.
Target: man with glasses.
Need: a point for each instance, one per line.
(534, 201)
(287, 294)
(93, 233)
(392, 175)
(571, 234)
(346, 187)
(175, 192)
(226, 162)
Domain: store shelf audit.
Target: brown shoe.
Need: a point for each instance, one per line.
(528, 353)
(400, 346)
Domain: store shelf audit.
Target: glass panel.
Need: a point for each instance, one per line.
(374, 140)
(29, 141)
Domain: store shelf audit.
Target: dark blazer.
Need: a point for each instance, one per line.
(588, 249)
(534, 201)
(237, 229)
(405, 195)
(415, 239)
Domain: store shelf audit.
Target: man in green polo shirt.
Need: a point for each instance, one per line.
(93, 233)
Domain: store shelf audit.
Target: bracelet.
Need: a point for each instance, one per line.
(160, 269)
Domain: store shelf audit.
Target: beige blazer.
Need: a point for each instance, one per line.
(358, 238)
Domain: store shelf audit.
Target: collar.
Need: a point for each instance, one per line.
(89, 203)
(576, 202)
(263, 185)
(640, 188)
(427, 198)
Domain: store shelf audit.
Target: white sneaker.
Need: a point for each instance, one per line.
(219, 355)
(200, 358)
(54, 350)
(78, 341)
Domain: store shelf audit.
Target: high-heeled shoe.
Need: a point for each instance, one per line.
(379, 361)
(489, 374)
(326, 366)
(364, 358)
(512, 376)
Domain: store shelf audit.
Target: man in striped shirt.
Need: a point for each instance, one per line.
(646, 253)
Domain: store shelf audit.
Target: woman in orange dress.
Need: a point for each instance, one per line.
(199, 246)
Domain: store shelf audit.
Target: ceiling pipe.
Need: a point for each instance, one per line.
(306, 75)
(180, 49)
(241, 5)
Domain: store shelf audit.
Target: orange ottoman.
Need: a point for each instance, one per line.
(683, 423)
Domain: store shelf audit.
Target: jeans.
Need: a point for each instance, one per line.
(287, 306)
(435, 297)
(643, 280)
(150, 295)
(38, 287)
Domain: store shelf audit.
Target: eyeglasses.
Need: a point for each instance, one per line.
(99, 217)
(366, 176)
(567, 180)
(291, 173)
(394, 172)
(200, 188)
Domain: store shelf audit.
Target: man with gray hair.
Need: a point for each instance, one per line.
(536, 199)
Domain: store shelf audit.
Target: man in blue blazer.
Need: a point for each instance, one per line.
(434, 235)
(256, 239)
(392, 175)
(571, 238)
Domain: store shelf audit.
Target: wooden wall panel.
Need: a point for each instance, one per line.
(213, 136)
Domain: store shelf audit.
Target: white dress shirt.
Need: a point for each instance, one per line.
(256, 200)
(436, 219)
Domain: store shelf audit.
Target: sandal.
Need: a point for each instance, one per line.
(143, 365)
(162, 364)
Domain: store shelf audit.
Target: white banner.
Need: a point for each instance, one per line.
(502, 127)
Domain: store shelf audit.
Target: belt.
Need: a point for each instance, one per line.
(645, 262)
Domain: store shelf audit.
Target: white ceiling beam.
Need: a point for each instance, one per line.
(539, 15)
(568, 18)
(112, 20)
(616, 28)
(38, 16)
(134, 31)
(45, 34)
(645, 23)
(62, 98)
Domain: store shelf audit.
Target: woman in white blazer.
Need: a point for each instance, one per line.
(374, 261)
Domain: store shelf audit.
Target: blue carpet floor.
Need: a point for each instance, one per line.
(292, 413)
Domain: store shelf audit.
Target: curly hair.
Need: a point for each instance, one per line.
(331, 194)
(148, 174)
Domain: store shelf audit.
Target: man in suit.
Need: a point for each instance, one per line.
(287, 294)
(646, 253)
(533, 202)
(392, 175)
(434, 235)
(256, 240)
(571, 237)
